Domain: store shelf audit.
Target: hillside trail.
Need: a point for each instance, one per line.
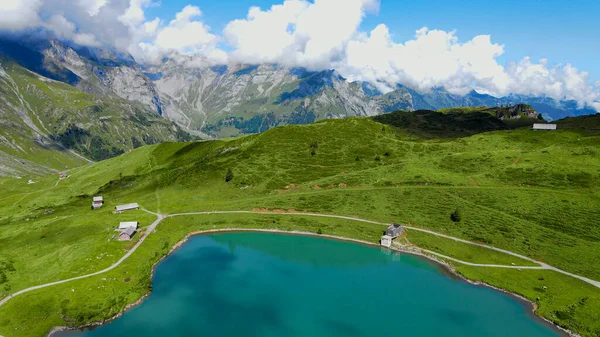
(160, 217)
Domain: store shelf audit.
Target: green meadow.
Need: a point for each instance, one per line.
(533, 193)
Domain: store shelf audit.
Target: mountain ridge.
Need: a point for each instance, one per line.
(80, 94)
(201, 97)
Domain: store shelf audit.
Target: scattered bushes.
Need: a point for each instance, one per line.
(314, 146)
(229, 175)
(6, 267)
(455, 217)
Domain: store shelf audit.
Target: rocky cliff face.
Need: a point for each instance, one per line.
(104, 75)
(212, 99)
(25, 145)
(47, 125)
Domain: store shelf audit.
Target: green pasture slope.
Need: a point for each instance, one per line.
(534, 193)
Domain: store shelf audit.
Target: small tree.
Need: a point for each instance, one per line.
(314, 146)
(455, 217)
(319, 231)
(357, 158)
(229, 175)
(377, 158)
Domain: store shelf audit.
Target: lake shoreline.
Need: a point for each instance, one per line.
(411, 251)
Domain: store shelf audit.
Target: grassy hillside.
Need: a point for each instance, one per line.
(58, 117)
(514, 117)
(26, 149)
(588, 125)
(534, 193)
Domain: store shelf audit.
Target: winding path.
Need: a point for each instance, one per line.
(115, 265)
(161, 217)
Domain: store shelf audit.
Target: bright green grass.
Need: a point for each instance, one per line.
(529, 192)
(101, 297)
(57, 246)
(463, 251)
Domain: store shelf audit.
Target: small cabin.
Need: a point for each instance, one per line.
(394, 230)
(97, 202)
(127, 207)
(127, 234)
(539, 126)
(386, 241)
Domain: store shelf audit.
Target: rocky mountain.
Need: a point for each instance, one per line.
(439, 98)
(48, 125)
(230, 100)
(209, 101)
(25, 145)
(219, 101)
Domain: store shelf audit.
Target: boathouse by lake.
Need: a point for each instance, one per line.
(386, 241)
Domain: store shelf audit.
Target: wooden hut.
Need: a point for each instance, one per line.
(394, 230)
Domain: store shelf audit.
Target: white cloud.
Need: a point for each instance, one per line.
(66, 29)
(134, 15)
(184, 34)
(92, 7)
(150, 27)
(264, 35)
(297, 32)
(561, 81)
(316, 34)
(19, 14)
(436, 58)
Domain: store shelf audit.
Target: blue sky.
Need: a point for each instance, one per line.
(564, 31)
(531, 47)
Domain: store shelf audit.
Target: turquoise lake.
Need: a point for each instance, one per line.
(258, 284)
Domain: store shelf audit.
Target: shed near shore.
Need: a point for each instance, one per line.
(394, 230)
(386, 241)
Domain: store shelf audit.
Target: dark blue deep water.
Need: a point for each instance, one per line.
(256, 284)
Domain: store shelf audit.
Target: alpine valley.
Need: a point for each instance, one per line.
(81, 103)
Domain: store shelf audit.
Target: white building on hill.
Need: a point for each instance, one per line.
(127, 230)
(97, 202)
(539, 126)
(127, 207)
(125, 225)
(127, 234)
